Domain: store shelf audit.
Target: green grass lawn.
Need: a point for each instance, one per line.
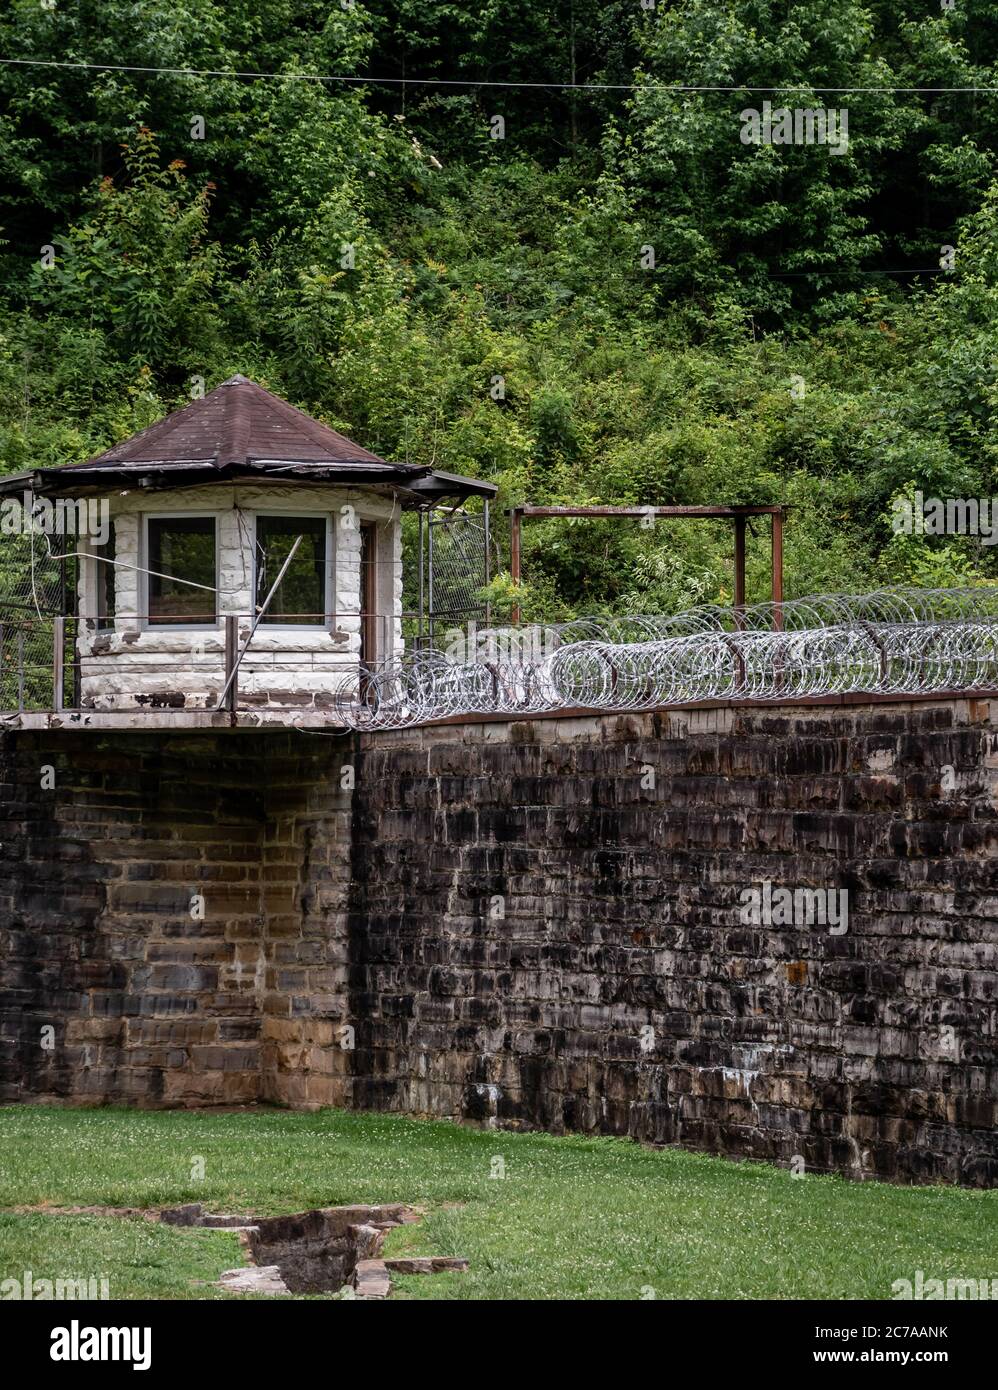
(572, 1218)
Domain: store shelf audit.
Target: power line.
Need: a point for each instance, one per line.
(678, 87)
(623, 277)
(914, 270)
(542, 86)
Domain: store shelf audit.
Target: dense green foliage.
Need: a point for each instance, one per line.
(632, 1222)
(371, 252)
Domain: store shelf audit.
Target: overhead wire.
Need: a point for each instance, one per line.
(372, 80)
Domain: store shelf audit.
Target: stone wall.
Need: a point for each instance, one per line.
(547, 931)
(534, 923)
(171, 917)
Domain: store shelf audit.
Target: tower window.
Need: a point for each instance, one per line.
(182, 548)
(303, 594)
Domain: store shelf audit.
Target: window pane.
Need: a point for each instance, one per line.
(181, 548)
(105, 580)
(301, 597)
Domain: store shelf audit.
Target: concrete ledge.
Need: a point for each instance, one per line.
(310, 718)
(152, 720)
(807, 701)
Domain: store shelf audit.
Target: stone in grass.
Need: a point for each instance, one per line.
(228, 1223)
(193, 1214)
(371, 1279)
(367, 1240)
(189, 1215)
(253, 1279)
(427, 1264)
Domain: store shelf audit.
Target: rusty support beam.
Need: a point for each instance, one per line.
(58, 663)
(231, 669)
(739, 563)
(737, 514)
(514, 554)
(648, 511)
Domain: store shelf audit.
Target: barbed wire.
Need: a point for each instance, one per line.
(890, 642)
(897, 642)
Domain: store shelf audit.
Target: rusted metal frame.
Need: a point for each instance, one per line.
(515, 519)
(422, 577)
(739, 568)
(488, 566)
(369, 578)
(231, 667)
(493, 669)
(58, 664)
(737, 514)
(528, 510)
(739, 605)
(777, 564)
(70, 609)
(429, 578)
(77, 668)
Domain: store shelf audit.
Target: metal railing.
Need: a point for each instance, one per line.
(69, 664)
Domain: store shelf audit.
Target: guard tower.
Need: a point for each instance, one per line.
(248, 561)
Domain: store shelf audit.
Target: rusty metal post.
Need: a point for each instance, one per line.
(739, 562)
(58, 663)
(429, 579)
(487, 524)
(778, 570)
(422, 580)
(231, 670)
(514, 555)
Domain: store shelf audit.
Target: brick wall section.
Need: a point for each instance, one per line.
(306, 872)
(148, 1001)
(869, 1053)
(500, 910)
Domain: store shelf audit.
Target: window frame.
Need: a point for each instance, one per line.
(148, 623)
(95, 587)
(329, 595)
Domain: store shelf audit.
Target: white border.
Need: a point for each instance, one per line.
(329, 595)
(147, 624)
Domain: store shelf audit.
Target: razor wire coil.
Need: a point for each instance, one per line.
(889, 642)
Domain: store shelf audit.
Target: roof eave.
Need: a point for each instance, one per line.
(439, 485)
(18, 482)
(181, 474)
(416, 485)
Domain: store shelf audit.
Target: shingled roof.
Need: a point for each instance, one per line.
(238, 423)
(242, 430)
